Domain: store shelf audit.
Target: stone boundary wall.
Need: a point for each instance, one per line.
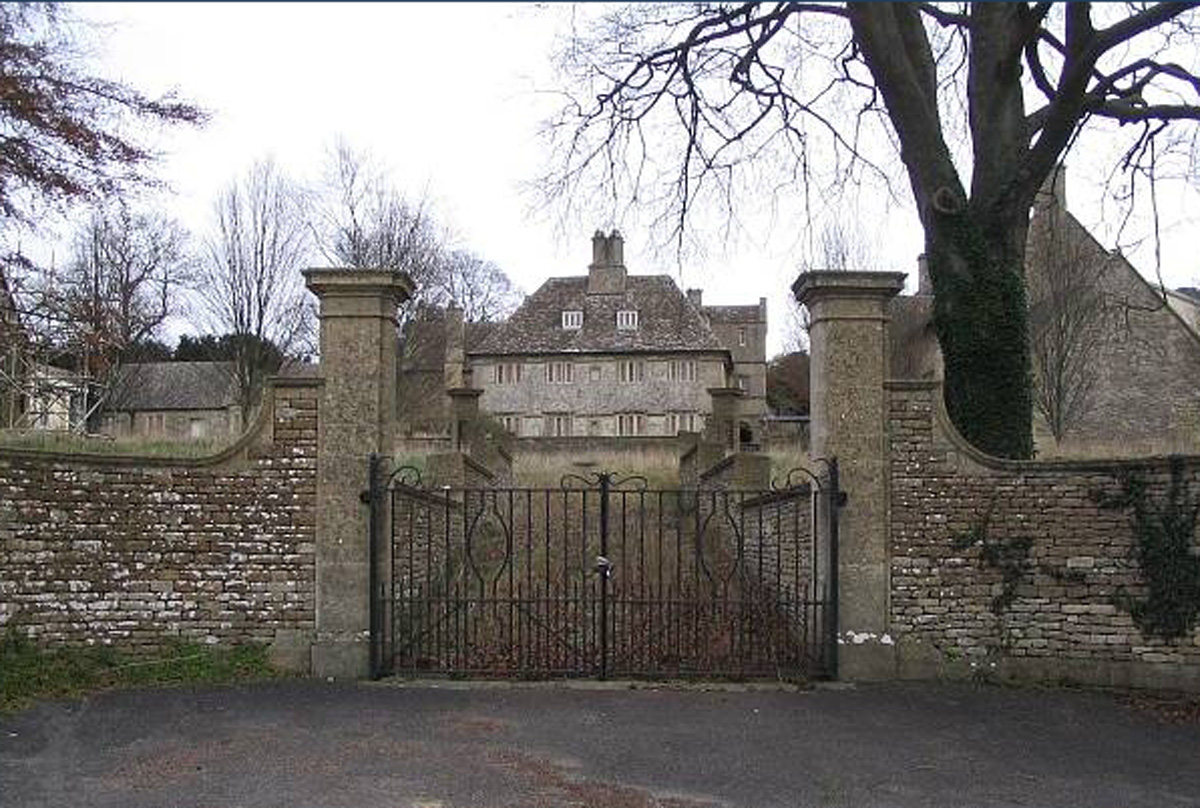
(131, 551)
(1064, 618)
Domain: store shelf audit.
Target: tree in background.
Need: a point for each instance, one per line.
(362, 221)
(1070, 318)
(249, 283)
(787, 384)
(478, 287)
(696, 104)
(64, 135)
(111, 299)
(119, 288)
(225, 348)
(840, 246)
(67, 137)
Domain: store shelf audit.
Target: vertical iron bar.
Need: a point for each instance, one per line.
(835, 503)
(605, 481)
(373, 566)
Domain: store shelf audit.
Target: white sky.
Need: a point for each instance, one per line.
(450, 97)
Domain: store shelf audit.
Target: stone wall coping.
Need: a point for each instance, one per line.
(717, 468)
(942, 421)
(726, 392)
(296, 381)
(781, 495)
(464, 392)
(232, 452)
(475, 465)
(826, 283)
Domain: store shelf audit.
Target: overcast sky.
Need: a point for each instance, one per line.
(450, 96)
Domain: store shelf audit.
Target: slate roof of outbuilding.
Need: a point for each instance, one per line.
(667, 321)
(175, 386)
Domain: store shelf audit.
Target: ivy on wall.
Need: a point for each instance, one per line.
(1010, 556)
(1164, 545)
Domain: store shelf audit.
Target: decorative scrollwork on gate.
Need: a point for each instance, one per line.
(407, 476)
(596, 479)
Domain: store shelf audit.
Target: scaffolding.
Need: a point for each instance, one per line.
(35, 394)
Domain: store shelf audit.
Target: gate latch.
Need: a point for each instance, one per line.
(604, 566)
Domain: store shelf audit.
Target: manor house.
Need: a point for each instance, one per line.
(606, 354)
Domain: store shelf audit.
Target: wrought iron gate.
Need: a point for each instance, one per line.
(603, 577)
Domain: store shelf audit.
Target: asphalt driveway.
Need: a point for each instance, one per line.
(306, 743)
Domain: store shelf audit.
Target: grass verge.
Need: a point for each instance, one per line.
(67, 443)
(29, 672)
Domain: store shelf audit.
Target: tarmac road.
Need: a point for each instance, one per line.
(307, 743)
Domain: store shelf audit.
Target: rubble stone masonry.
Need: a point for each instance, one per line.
(1066, 614)
(132, 551)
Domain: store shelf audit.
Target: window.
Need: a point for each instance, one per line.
(742, 383)
(197, 428)
(631, 370)
(631, 423)
(507, 373)
(627, 320)
(572, 319)
(595, 373)
(511, 423)
(681, 422)
(742, 336)
(682, 370)
(560, 372)
(558, 425)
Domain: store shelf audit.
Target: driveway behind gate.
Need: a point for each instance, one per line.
(311, 744)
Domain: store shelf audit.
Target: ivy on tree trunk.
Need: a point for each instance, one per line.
(981, 319)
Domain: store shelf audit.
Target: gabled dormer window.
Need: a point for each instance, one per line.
(627, 320)
(572, 320)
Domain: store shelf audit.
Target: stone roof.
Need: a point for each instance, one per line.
(667, 321)
(732, 315)
(174, 386)
(475, 334)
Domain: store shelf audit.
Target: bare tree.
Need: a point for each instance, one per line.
(362, 221)
(119, 288)
(1070, 317)
(979, 101)
(479, 287)
(250, 284)
(119, 285)
(840, 246)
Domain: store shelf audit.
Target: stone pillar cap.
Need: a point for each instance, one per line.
(332, 282)
(827, 283)
(731, 392)
(464, 392)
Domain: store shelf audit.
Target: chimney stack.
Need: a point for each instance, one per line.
(695, 296)
(606, 275)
